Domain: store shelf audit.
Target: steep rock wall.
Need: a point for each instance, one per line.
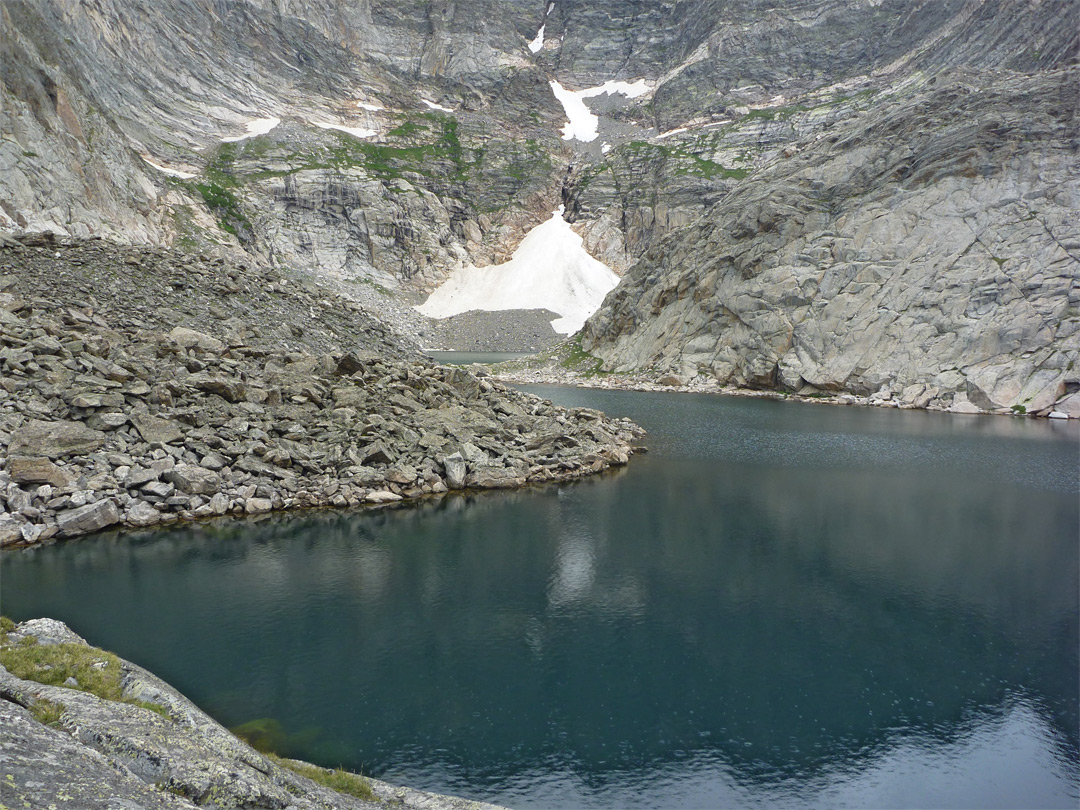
(930, 248)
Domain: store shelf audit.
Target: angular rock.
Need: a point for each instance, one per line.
(54, 439)
(456, 470)
(36, 471)
(159, 489)
(376, 453)
(489, 477)
(137, 476)
(140, 513)
(193, 480)
(96, 400)
(191, 339)
(257, 505)
(403, 474)
(382, 496)
(219, 503)
(229, 389)
(90, 518)
(155, 430)
(9, 532)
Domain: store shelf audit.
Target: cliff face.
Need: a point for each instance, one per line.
(908, 231)
(930, 248)
(404, 144)
(805, 187)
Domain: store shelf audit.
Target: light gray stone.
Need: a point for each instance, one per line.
(456, 470)
(193, 480)
(90, 518)
(192, 339)
(156, 431)
(140, 513)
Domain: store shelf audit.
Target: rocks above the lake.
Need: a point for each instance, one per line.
(925, 244)
(108, 419)
(157, 751)
(89, 518)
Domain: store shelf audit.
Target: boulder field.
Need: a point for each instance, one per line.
(130, 397)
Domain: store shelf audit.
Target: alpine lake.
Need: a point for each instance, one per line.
(780, 605)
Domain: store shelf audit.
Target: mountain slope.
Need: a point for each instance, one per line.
(930, 248)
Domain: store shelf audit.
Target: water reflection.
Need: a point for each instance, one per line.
(779, 606)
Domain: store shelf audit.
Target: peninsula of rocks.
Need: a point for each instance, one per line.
(141, 386)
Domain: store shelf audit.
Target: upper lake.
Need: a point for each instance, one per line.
(780, 605)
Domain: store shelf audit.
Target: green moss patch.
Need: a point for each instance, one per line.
(96, 671)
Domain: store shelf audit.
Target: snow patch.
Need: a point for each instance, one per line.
(367, 105)
(671, 132)
(260, 126)
(538, 42)
(165, 170)
(605, 148)
(549, 270)
(582, 124)
(356, 132)
(432, 105)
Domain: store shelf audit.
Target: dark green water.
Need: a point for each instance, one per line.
(781, 605)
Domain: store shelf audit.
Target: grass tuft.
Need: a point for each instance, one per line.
(338, 779)
(96, 671)
(46, 712)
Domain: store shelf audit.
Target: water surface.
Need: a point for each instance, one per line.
(781, 605)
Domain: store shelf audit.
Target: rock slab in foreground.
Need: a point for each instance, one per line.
(107, 754)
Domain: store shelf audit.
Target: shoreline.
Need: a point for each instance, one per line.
(213, 388)
(617, 382)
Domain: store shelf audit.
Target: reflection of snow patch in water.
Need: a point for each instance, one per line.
(582, 124)
(356, 132)
(575, 570)
(170, 172)
(432, 105)
(549, 270)
(260, 126)
(538, 43)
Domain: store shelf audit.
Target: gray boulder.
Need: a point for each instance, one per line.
(54, 439)
(193, 480)
(90, 518)
(455, 468)
(155, 430)
(36, 471)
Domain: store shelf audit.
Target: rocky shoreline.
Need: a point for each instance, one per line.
(133, 405)
(912, 398)
(114, 735)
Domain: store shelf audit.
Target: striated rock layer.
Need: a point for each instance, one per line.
(929, 247)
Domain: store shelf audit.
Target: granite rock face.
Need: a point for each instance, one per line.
(928, 248)
(413, 138)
